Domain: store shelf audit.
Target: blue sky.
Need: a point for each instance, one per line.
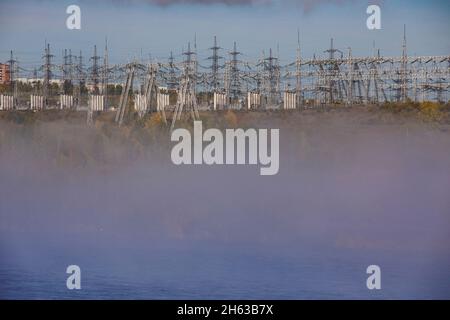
(139, 26)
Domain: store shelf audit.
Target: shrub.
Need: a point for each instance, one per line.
(430, 111)
(231, 118)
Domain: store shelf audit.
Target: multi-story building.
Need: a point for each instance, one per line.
(5, 76)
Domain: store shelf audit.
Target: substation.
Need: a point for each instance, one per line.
(223, 81)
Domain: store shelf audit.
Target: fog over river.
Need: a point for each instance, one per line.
(353, 189)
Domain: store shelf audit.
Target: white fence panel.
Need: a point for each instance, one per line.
(254, 100)
(6, 102)
(96, 102)
(162, 101)
(140, 103)
(36, 102)
(66, 101)
(290, 100)
(220, 100)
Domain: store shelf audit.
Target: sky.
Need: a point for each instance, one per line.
(152, 28)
